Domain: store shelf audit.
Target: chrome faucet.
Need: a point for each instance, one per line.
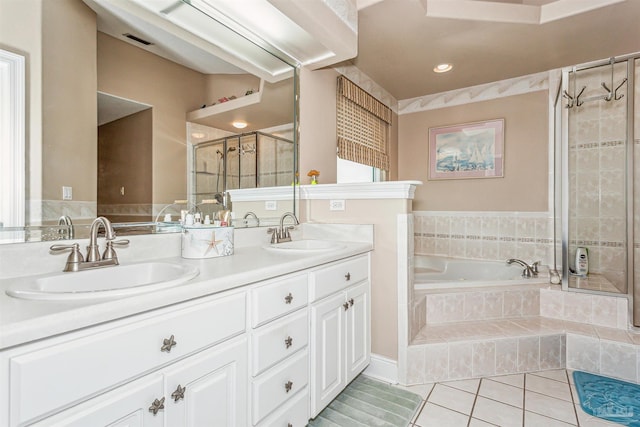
(251, 214)
(279, 235)
(529, 271)
(65, 220)
(75, 260)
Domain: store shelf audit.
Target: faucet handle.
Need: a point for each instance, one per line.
(75, 257)
(109, 252)
(274, 234)
(535, 267)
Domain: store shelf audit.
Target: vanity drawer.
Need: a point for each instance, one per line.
(278, 298)
(278, 340)
(295, 413)
(338, 276)
(279, 384)
(45, 380)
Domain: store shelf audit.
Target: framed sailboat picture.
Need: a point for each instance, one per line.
(470, 150)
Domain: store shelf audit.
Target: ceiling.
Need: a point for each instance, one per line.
(398, 45)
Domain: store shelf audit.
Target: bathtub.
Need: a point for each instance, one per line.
(431, 272)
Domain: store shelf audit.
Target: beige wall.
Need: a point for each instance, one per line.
(69, 100)
(525, 183)
(318, 127)
(384, 275)
(172, 90)
(125, 160)
(20, 32)
(318, 124)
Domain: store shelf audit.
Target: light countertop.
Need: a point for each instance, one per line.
(23, 321)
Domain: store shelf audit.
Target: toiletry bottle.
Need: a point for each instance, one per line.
(582, 261)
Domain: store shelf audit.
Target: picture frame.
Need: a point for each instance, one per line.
(468, 150)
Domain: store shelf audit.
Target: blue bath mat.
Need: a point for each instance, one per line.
(608, 398)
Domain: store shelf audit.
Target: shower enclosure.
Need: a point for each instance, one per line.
(596, 123)
(248, 160)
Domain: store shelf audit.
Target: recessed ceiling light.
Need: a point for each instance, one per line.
(198, 135)
(239, 124)
(442, 68)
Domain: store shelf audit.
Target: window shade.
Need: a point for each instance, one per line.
(362, 126)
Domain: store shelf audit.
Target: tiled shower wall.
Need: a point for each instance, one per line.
(597, 157)
(485, 235)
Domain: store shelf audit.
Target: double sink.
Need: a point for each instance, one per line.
(133, 279)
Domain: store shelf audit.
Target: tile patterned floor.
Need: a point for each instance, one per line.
(537, 399)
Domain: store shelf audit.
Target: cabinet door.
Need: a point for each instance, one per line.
(125, 406)
(209, 388)
(327, 354)
(358, 336)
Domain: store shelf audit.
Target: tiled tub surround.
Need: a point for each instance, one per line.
(508, 330)
(485, 235)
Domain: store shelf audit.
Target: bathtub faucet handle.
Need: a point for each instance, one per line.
(535, 268)
(528, 270)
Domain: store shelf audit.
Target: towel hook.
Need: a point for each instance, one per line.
(578, 102)
(615, 92)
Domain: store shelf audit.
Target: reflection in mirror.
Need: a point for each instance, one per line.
(176, 96)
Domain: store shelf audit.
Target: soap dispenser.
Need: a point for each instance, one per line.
(582, 261)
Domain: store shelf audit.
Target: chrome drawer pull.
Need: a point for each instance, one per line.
(288, 386)
(179, 393)
(168, 344)
(351, 302)
(288, 342)
(288, 298)
(156, 406)
(347, 276)
(346, 306)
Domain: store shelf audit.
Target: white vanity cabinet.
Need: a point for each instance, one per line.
(279, 352)
(340, 328)
(171, 345)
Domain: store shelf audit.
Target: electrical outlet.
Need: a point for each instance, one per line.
(67, 193)
(270, 205)
(336, 205)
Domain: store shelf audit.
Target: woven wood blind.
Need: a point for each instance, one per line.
(362, 126)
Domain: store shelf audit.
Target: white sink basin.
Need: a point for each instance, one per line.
(306, 245)
(103, 283)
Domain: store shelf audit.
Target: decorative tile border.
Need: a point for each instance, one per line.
(492, 236)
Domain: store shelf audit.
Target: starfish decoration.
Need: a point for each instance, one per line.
(213, 243)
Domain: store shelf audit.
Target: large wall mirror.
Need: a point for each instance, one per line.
(135, 114)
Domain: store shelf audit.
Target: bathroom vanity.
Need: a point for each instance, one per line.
(261, 338)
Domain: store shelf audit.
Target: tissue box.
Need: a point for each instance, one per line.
(206, 241)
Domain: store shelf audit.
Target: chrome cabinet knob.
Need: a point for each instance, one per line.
(156, 406)
(288, 342)
(347, 276)
(168, 344)
(346, 306)
(288, 386)
(288, 298)
(178, 393)
(351, 302)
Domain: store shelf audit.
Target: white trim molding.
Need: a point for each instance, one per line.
(360, 190)
(261, 194)
(485, 92)
(12, 139)
(383, 369)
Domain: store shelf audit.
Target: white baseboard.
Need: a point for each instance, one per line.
(383, 369)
